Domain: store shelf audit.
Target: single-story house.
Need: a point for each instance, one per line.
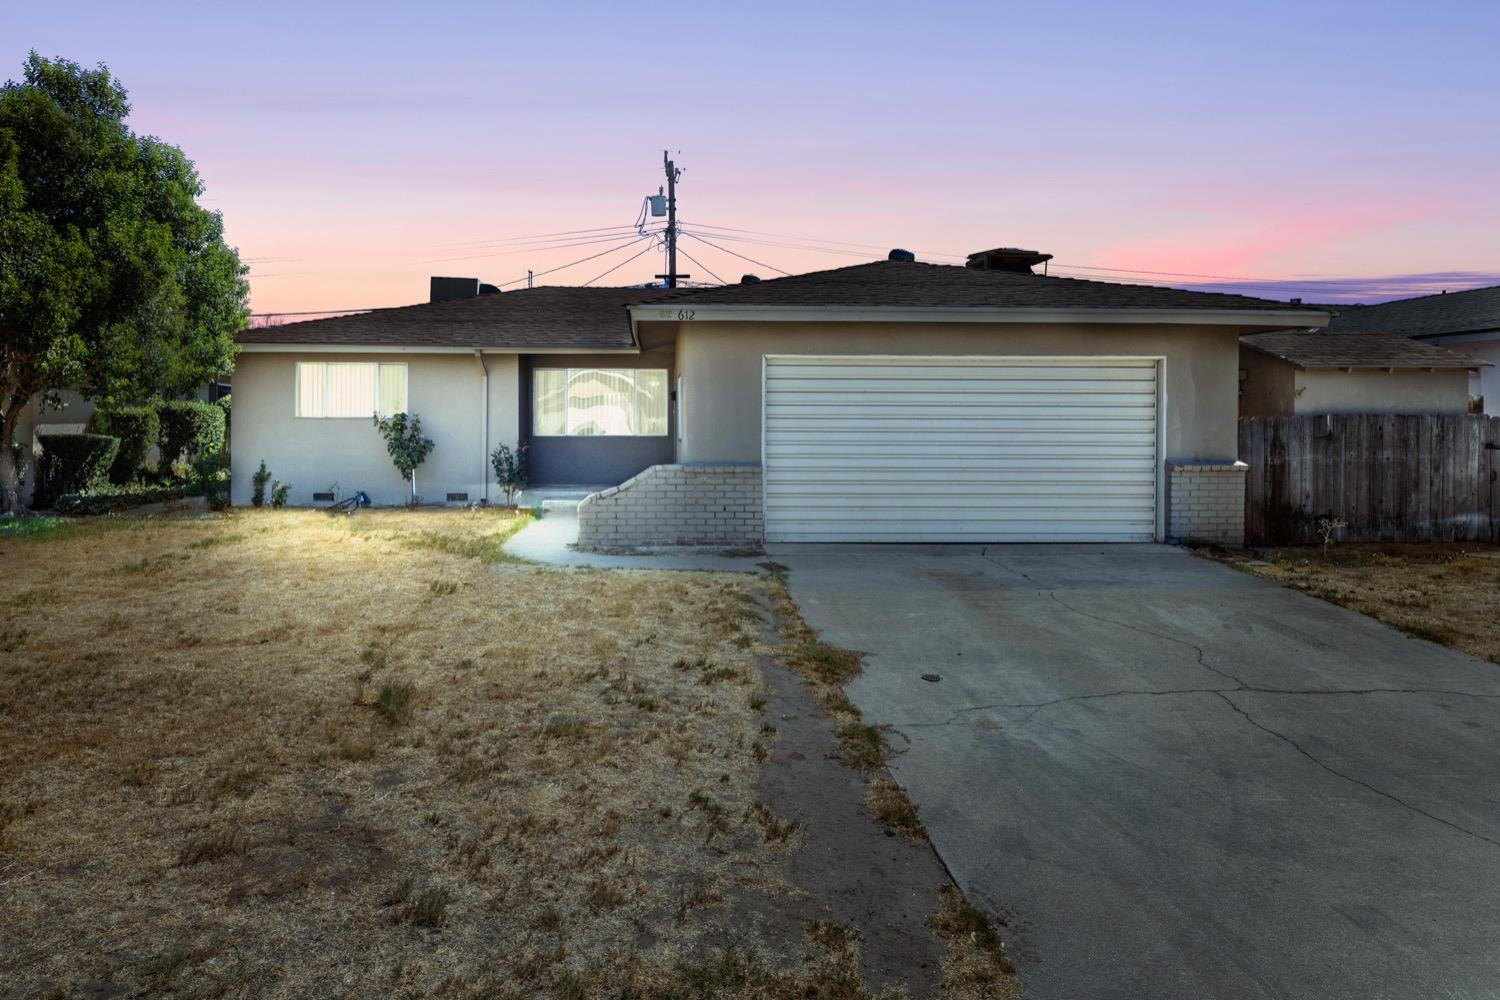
(1297, 372)
(888, 401)
(1467, 321)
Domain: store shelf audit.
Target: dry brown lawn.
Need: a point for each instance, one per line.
(281, 754)
(1447, 593)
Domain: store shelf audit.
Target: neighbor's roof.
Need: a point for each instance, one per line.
(895, 283)
(550, 316)
(1322, 349)
(1429, 316)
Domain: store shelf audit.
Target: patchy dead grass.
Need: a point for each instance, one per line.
(1448, 593)
(975, 966)
(278, 753)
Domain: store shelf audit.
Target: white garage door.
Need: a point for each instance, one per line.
(960, 449)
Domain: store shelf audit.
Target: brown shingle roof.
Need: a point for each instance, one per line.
(1431, 315)
(550, 316)
(1321, 349)
(915, 284)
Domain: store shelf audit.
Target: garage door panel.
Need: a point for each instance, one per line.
(946, 449)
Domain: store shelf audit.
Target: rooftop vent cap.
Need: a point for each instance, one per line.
(749, 279)
(1012, 259)
(899, 254)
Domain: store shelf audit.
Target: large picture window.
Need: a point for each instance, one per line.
(350, 389)
(582, 402)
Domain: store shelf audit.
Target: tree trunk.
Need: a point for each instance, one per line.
(10, 476)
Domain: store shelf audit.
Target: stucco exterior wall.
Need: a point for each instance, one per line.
(1483, 347)
(445, 390)
(720, 365)
(1266, 385)
(1324, 390)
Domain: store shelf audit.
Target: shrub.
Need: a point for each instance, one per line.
(258, 485)
(404, 440)
(510, 470)
(137, 427)
(73, 462)
(211, 478)
(189, 428)
(279, 492)
(110, 499)
(223, 403)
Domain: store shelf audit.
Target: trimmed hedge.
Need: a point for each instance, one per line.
(138, 428)
(72, 462)
(108, 499)
(189, 428)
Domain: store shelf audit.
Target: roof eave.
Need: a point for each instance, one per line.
(1267, 319)
(297, 347)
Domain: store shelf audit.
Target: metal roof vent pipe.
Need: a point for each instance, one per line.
(902, 255)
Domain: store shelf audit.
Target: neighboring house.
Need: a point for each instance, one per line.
(894, 400)
(1292, 373)
(1465, 321)
(71, 416)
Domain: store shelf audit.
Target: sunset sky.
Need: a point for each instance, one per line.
(1350, 151)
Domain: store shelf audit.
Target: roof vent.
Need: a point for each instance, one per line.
(488, 289)
(1012, 259)
(448, 289)
(899, 254)
(749, 279)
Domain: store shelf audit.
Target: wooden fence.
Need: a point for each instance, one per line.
(1388, 477)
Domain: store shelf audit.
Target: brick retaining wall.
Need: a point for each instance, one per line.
(676, 505)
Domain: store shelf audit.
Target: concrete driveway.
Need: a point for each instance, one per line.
(1172, 779)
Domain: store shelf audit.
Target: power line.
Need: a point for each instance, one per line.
(629, 238)
(515, 239)
(705, 267)
(622, 263)
(741, 256)
(585, 260)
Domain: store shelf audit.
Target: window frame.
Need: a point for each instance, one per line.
(327, 374)
(635, 400)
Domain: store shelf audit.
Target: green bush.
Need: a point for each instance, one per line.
(211, 478)
(223, 403)
(138, 428)
(258, 485)
(189, 428)
(110, 499)
(279, 493)
(72, 462)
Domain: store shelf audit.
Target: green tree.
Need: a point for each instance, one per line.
(114, 281)
(408, 448)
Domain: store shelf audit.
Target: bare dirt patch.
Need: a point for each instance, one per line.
(1446, 593)
(279, 754)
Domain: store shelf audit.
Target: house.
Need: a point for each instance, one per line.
(1465, 321)
(1297, 372)
(69, 413)
(893, 400)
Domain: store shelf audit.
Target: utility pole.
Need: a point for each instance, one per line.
(670, 278)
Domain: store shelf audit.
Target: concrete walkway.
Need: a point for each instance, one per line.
(1174, 780)
(550, 538)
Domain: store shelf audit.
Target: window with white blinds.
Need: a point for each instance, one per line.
(584, 402)
(350, 388)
